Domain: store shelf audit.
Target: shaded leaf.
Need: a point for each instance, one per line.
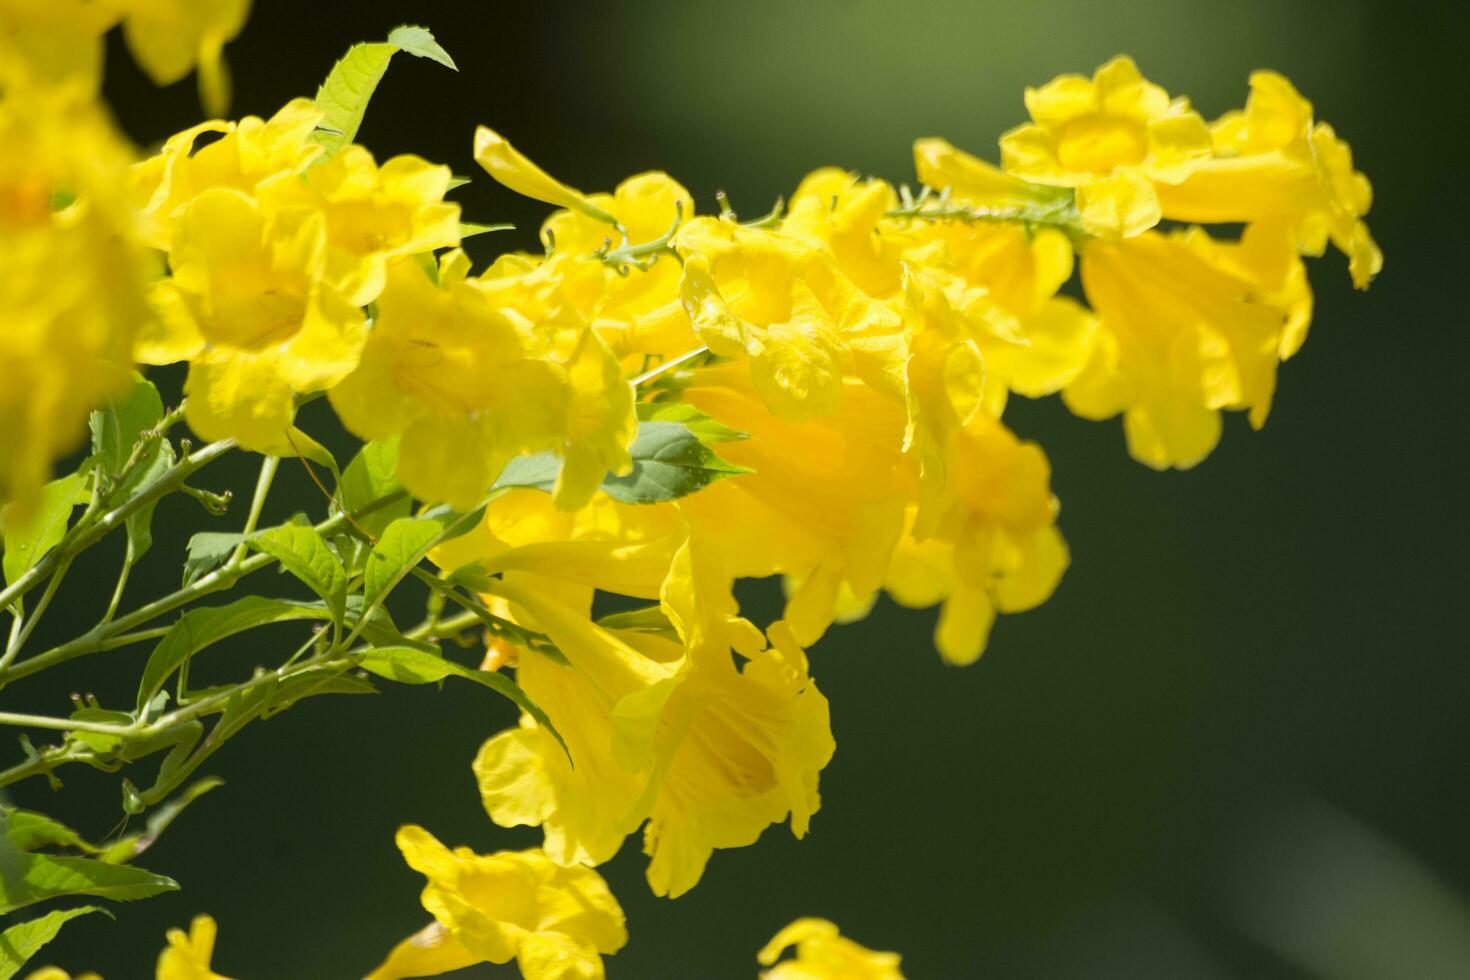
(206, 551)
(200, 627)
(26, 542)
(403, 544)
(118, 425)
(24, 939)
(26, 878)
(29, 831)
(370, 476)
(303, 552)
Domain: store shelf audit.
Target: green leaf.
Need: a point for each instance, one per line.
(155, 461)
(705, 428)
(370, 476)
(669, 462)
(344, 96)
(403, 544)
(408, 665)
(132, 845)
(118, 425)
(649, 619)
(206, 551)
(468, 229)
(419, 42)
(306, 447)
(303, 553)
(202, 627)
(28, 831)
(26, 542)
(24, 939)
(29, 878)
(457, 182)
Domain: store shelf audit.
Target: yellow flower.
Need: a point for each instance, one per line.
(637, 312)
(823, 954)
(170, 37)
(248, 153)
(473, 372)
(1272, 163)
(72, 277)
(187, 955)
(512, 169)
(56, 973)
(747, 295)
(991, 545)
(1189, 326)
(61, 40)
(373, 214)
(1112, 137)
(708, 754)
(556, 922)
(247, 306)
(824, 505)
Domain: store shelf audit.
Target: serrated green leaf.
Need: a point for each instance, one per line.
(26, 878)
(669, 462)
(24, 939)
(29, 831)
(206, 551)
(417, 41)
(203, 627)
(117, 425)
(407, 665)
(344, 96)
(403, 544)
(26, 542)
(303, 552)
(370, 476)
(706, 429)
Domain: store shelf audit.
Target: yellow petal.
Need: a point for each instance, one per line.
(508, 166)
(427, 953)
(1120, 206)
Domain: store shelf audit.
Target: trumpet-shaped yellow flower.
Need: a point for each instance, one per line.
(512, 169)
(72, 278)
(170, 37)
(708, 754)
(1112, 137)
(1272, 164)
(246, 154)
(61, 40)
(637, 311)
(823, 954)
(188, 955)
(993, 546)
(470, 380)
(1189, 326)
(824, 505)
(248, 308)
(556, 922)
(373, 214)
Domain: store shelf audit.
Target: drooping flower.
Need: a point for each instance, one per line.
(1112, 137)
(1189, 326)
(1272, 163)
(989, 545)
(708, 753)
(248, 307)
(188, 955)
(824, 954)
(169, 38)
(556, 922)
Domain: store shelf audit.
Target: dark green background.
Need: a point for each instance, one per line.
(1232, 745)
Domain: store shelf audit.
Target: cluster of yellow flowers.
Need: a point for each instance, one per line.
(850, 356)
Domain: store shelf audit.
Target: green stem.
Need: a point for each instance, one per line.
(268, 467)
(62, 724)
(122, 583)
(18, 640)
(102, 636)
(89, 529)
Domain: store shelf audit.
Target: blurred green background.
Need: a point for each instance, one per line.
(1234, 744)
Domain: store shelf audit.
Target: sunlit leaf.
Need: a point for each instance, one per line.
(24, 939)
